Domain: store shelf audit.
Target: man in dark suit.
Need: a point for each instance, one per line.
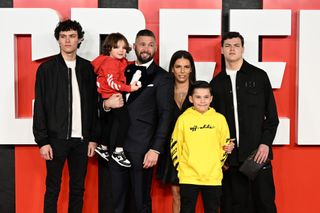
(150, 115)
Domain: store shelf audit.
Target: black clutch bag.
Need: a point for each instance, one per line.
(250, 168)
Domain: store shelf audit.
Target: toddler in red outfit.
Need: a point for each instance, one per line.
(110, 67)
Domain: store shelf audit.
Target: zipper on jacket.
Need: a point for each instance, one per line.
(69, 103)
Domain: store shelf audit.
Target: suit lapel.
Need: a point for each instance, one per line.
(147, 76)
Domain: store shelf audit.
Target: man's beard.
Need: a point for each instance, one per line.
(144, 60)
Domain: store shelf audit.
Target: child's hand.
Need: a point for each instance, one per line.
(135, 86)
(229, 147)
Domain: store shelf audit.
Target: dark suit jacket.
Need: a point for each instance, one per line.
(150, 109)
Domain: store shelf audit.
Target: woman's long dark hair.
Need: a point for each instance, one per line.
(186, 55)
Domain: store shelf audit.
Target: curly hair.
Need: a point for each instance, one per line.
(68, 25)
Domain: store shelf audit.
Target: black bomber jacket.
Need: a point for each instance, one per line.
(53, 101)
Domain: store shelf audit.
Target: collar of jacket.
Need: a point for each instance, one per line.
(243, 69)
(79, 77)
(61, 60)
(151, 68)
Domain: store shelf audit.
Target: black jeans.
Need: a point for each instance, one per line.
(210, 196)
(75, 151)
(241, 195)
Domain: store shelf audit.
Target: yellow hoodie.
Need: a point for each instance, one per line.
(197, 147)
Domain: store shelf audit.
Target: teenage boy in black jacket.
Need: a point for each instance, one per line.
(65, 116)
(243, 94)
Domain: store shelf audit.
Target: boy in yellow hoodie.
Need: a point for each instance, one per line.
(199, 147)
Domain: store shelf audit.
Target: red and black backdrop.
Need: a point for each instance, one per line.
(22, 171)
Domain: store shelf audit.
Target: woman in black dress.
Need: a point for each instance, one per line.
(183, 69)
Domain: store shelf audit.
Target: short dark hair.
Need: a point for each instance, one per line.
(230, 35)
(186, 55)
(145, 32)
(111, 41)
(68, 25)
(200, 85)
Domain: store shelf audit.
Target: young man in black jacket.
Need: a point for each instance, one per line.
(243, 94)
(65, 116)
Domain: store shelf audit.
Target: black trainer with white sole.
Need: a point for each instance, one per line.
(103, 152)
(121, 159)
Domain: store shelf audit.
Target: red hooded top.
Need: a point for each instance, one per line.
(111, 78)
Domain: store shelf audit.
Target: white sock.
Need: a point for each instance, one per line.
(119, 149)
(104, 147)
